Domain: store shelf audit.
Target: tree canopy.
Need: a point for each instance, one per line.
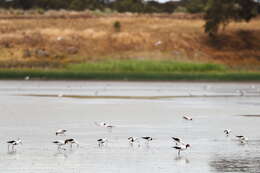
(118, 5)
(222, 12)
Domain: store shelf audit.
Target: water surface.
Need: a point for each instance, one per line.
(34, 110)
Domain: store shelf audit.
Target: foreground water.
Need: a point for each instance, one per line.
(34, 110)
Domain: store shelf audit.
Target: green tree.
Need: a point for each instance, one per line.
(129, 5)
(222, 12)
(77, 5)
(195, 6)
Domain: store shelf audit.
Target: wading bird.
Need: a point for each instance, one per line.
(14, 143)
(187, 118)
(181, 148)
(71, 141)
(132, 140)
(242, 139)
(60, 132)
(60, 143)
(227, 132)
(147, 139)
(106, 125)
(102, 141)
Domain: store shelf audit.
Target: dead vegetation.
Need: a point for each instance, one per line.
(41, 40)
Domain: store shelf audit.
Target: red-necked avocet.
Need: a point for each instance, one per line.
(187, 118)
(147, 139)
(102, 141)
(104, 124)
(71, 141)
(60, 132)
(60, 143)
(14, 143)
(100, 124)
(242, 139)
(181, 148)
(133, 140)
(227, 132)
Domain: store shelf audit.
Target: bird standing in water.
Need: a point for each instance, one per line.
(227, 132)
(60, 143)
(102, 141)
(60, 132)
(181, 148)
(71, 141)
(187, 118)
(242, 139)
(14, 143)
(133, 140)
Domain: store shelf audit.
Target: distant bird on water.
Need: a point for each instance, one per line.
(242, 139)
(147, 139)
(105, 124)
(60, 132)
(241, 92)
(181, 148)
(102, 141)
(60, 94)
(227, 132)
(132, 140)
(27, 78)
(187, 118)
(71, 141)
(60, 143)
(14, 143)
(100, 124)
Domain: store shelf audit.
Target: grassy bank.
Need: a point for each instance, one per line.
(64, 75)
(145, 47)
(144, 66)
(48, 40)
(135, 70)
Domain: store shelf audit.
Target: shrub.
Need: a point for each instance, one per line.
(117, 26)
(181, 9)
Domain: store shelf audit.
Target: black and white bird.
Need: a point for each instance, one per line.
(181, 148)
(177, 141)
(104, 124)
(100, 124)
(108, 126)
(71, 141)
(133, 140)
(61, 132)
(147, 139)
(187, 118)
(227, 132)
(14, 143)
(60, 143)
(242, 139)
(102, 141)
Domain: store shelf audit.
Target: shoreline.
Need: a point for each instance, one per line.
(116, 76)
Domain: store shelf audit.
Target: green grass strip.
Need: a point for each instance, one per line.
(144, 66)
(62, 74)
(138, 70)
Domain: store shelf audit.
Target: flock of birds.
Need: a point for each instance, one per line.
(179, 144)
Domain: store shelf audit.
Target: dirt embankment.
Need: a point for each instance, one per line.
(54, 39)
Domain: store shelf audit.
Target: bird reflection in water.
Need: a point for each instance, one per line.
(182, 160)
(60, 154)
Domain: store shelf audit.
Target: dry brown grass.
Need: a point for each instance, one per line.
(82, 38)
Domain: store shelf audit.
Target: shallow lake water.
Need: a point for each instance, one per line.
(34, 110)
